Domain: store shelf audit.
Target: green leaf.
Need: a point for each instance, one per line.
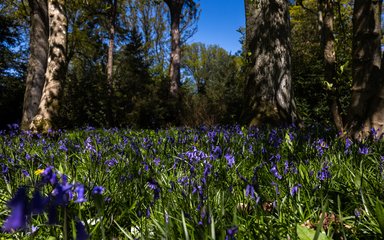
(305, 233)
(380, 215)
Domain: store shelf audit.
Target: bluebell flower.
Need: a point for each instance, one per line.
(111, 162)
(230, 159)
(38, 202)
(295, 189)
(79, 189)
(98, 190)
(324, 173)
(49, 176)
(62, 194)
(320, 146)
(19, 211)
(357, 213)
(25, 173)
(275, 172)
(157, 161)
(81, 234)
(216, 152)
(364, 150)
(231, 233)
(250, 191)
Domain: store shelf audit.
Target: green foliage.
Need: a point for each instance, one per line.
(213, 84)
(197, 183)
(12, 70)
(310, 88)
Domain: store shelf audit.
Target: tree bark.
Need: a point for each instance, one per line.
(39, 31)
(269, 84)
(367, 107)
(326, 23)
(56, 68)
(111, 44)
(175, 8)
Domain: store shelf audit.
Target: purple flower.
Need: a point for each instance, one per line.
(110, 163)
(250, 191)
(80, 193)
(38, 202)
(363, 150)
(275, 172)
(295, 189)
(231, 232)
(19, 211)
(49, 176)
(324, 173)
(62, 194)
(157, 161)
(230, 159)
(357, 213)
(81, 234)
(25, 173)
(98, 190)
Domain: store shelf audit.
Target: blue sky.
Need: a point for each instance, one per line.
(219, 20)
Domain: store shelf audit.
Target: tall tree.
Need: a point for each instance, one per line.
(39, 31)
(111, 45)
(268, 87)
(176, 13)
(56, 67)
(326, 21)
(367, 105)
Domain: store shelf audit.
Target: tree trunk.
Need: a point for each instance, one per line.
(367, 107)
(175, 8)
(268, 88)
(56, 68)
(38, 58)
(111, 45)
(326, 7)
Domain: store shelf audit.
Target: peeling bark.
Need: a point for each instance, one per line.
(39, 31)
(269, 84)
(56, 68)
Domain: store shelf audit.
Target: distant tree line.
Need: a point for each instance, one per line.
(121, 63)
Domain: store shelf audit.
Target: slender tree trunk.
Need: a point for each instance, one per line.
(326, 23)
(38, 58)
(268, 88)
(175, 8)
(56, 68)
(111, 45)
(367, 107)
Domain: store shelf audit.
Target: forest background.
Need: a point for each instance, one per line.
(212, 81)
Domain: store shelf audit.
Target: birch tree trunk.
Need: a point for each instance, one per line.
(269, 84)
(37, 65)
(56, 68)
(367, 106)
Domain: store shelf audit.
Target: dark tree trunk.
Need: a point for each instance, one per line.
(268, 88)
(175, 8)
(367, 107)
(326, 14)
(56, 67)
(39, 31)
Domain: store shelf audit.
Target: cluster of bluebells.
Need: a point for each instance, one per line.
(23, 208)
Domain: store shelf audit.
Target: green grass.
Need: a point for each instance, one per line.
(177, 184)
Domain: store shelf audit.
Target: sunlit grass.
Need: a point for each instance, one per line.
(206, 183)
